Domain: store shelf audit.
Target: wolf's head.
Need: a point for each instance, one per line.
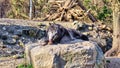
(54, 32)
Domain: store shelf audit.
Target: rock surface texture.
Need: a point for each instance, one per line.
(84, 54)
(113, 62)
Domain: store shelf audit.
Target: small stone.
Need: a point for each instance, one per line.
(108, 32)
(108, 28)
(75, 22)
(15, 37)
(81, 26)
(18, 32)
(9, 51)
(95, 28)
(104, 26)
(40, 34)
(17, 56)
(25, 31)
(14, 56)
(42, 25)
(10, 29)
(4, 37)
(90, 28)
(20, 43)
(94, 36)
(85, 33)
(4, 28)
(10, 41)
(2, 45)
(13, 52)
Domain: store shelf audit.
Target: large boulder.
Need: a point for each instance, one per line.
(112, 62)
(82, 54)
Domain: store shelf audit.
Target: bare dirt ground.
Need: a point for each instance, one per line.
(8, 62)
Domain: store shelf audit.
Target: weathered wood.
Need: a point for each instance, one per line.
(54, 16)
(67, 12)
(92, 18)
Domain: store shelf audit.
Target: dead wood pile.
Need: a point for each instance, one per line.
(68, 10)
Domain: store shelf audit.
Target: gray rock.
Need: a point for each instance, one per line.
(10, 41)
(4, 28)
(10, 29)
(80, 26)
(2, 45)
(40, 34)
(86, 33)
(10, 51)
(83, 54)
(15, 37)
(102, 43)
(0, 34)
(28, 48)
(93, 34)
(18, 48)
(18, 32)
(4, 36)
(113, 62)
(18, 56)
(90, 28)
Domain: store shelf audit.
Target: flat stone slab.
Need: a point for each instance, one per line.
(84, 54)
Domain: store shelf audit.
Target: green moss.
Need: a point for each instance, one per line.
(18, 9)
(104, 13)
(24, 66)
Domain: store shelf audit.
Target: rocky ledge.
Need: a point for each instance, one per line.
(15, 33)
(76, 54)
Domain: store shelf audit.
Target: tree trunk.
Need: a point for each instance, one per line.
(116, 30)
(30, 12)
